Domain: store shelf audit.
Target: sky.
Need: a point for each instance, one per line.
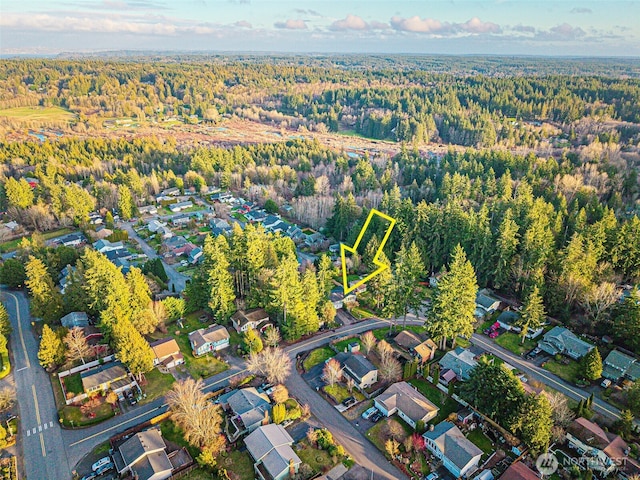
(497, 27)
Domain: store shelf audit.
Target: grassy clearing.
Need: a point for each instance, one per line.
(317, 356)
(463, 342)
(513, 343)
(238, 464)
(360, 313)
(318, 460)
(157, 384)
(569, 372)
(13, 244)
(42, 114)
(73, 383)
(5, 364)
(481, 441)
(339, 393)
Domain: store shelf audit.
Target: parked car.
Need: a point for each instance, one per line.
(376, 417)
(368, 413)
(534, 353)
(606, 383)
(105, 468)
(100, 463)
(432, 476)
(349, 401)
(91, 476)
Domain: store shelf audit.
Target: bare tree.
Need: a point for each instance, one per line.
(395, 429)
(280, 394)
(368, 341)
(384, 349)
(160, 312)
(332, 372)
(272, 363)
(598, 300)
(7, 398)
(77, 346)
(191, 410)
(561, 414)
(272, 337)
(390, 369)
(351, 383)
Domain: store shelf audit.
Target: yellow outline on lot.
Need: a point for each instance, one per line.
(345, 248)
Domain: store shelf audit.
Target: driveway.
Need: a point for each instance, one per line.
(314, 377)
(43, 453)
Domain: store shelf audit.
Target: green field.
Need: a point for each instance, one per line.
(317, 356)
(513, 343)
(570, 372)
(39, 114)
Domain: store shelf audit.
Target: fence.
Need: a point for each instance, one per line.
(80, 368)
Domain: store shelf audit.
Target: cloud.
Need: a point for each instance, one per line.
(417, 24)
(291, 25)
(307, 11)
(354, 22)
(524, 29)
(475, 25)
(242, 24)
(581, 10)
(563, 31)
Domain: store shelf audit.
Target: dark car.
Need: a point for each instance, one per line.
(349, 401)
(376, 417)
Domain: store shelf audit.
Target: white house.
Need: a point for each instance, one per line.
(458, 454)
(407, 402)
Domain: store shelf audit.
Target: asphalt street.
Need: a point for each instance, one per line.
(40, 433)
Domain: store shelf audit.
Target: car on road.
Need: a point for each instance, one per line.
(432, 476)
(100, 463)
(368, 413)
(105, 468)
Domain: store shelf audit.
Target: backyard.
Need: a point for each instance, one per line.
(343, 344)
(339, 393)
(319, 460)
(73, 384)
(513, 343)
(381, 431)
(239, 464)
(319, 355)
(481, 441)
(446, 404)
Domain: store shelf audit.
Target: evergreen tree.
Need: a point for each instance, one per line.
(46, 301)
(12, 273)
(126, 205)
(381, 285)
(286, 297)
(132, 349)
(312, 300)
(454, 300)
(219, 280)
(51, 351)
(592, 365)
(5, 323)
(535, 421)
(506, 248)
(533, 313)
(626, 321)
(18, 192)
(326, 272)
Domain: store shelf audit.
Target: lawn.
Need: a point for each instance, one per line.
(481, 441)
(570, 373)
(463, 342)
(72, 416)
(172, 433)
(317, 356)
(45, 114)
(157, 384)
(343, 344)
(318, 460)
(446, 404)
(379, 433)
(238, 464)
(73, 383)
(513, 343)
(360, 313)
(13, 244)
(339, 393)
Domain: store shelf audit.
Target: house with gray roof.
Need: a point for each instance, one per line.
(211, 339)
(509, 319)
(458, 454)
(247, 409)
(144, 456)
(105, 245)
(485, 303)
(619, 365)
(270, 448)
(457, 364)
(75, 319)
(560, 340)
(407, 402)
(178, 207)
(356, 366)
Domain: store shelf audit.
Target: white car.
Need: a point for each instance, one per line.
(369, 412)
(101, 463)
(605, 383)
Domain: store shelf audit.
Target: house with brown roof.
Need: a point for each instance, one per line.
(211, 339)
(257, 319)
(167, 353)
(519, 471)
(110, 376)
(407, 402)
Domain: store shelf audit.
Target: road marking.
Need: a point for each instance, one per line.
(24, 346)
(45, 426)
(28, 433)
(39, 428)
(44, 452)
(51, 424)
(23, 368)
(35, 400)
(34, 430)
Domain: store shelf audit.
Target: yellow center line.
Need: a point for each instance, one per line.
(35, 400)
(24, 347)
(44, 452)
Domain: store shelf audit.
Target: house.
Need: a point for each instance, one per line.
(95, 219)
(560, 340)
(425, 351)
(422, 350)
(179, 206)
(457, 364)
(408, 340)
(618, 365)
(109, 376)
(361, 370)
(270, 448)
(105, 245)
(465, 415)
(221, 197)
(519, 471)
(603, 451)
(211, 339)
(247, 408)
(154, 225)
(167, 353)
(257, 319)
(172, 192)
(338, 298)
(72, 239)
(219, 226)
(195, 255)
(182, 219)
(121, 253)
(434, 279)
(144, 456)
(458, 454)
(175, 242)
(148, 210)
(485, 303)
(12, 225)
(407, 402)
(75, 319)
(254, 216)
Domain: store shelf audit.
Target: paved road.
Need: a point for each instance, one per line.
(543, 376)
(175, 278)
(44, 454)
